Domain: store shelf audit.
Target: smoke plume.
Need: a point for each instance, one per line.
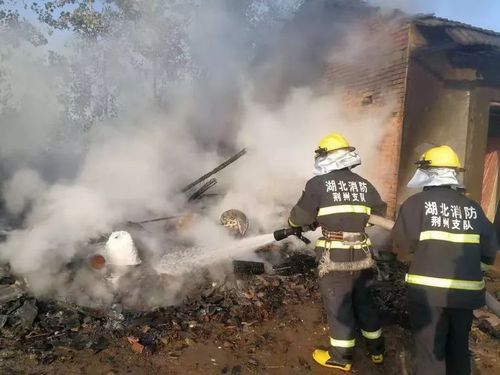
(100, 131)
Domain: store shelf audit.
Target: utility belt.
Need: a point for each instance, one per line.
(344, 241)
(343, 236)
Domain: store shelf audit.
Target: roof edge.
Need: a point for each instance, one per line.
(421, 18)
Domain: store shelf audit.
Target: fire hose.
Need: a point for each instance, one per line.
(381, 222)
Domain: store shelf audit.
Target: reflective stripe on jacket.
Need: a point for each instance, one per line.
(450, 237)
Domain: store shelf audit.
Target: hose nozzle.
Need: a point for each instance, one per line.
(281, 234)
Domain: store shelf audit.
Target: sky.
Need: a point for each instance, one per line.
(480, 13)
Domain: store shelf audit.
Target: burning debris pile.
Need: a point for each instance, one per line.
(221, 313)
(44, 328)
(41, 327)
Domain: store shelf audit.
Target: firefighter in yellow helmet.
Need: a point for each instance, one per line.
(341, 201)
(450, 239)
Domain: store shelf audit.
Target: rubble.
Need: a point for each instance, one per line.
(4, 272)
(25, 315)
(217, 312)
(41, 327)
(135, 344)
(241, 267)
(488, 322)
(390, 297)
(10, 293)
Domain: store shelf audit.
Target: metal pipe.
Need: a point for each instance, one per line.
(381, 222)
(231, 160)
(164, 218)
(493, 304)
(198, 193)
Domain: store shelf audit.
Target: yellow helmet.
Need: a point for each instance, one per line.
(440, 157)
(332, 142)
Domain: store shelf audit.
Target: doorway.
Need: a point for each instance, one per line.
(491, 184)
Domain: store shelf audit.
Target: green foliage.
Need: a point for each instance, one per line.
(8, 14)
(151, 38)
(73, 15)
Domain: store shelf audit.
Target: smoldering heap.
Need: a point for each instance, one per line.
(142, 98)
(108, 128)
(39, 327)
(43, 328)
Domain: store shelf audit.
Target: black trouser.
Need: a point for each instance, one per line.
(348, 303)
(441, 338)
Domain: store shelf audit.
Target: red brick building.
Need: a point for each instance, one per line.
(444, 78)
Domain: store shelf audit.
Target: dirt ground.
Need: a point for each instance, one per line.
(282, 345)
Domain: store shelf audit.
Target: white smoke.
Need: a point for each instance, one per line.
(26, 83)
(24, 187)
(282, 144)
(79, 182)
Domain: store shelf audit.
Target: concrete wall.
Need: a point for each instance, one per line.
(437, 112)
(445, 105)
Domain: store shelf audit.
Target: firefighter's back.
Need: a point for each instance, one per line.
(446, 267)
(345, 201)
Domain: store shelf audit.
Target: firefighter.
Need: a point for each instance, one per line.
(450, 239)
(341, 201)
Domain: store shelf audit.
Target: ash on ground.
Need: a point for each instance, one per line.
(217, 312)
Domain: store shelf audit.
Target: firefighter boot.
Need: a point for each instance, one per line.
(324, 359)
(376, 348)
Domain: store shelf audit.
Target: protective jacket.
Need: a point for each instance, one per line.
(340, 201)
(450, 237)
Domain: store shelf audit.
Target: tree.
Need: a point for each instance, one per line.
(162, 42)
(77, 16)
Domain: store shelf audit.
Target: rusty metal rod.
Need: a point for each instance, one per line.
(164, 218)
(198, 193)
(231, 160)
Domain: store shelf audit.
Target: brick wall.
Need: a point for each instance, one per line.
(374, 82)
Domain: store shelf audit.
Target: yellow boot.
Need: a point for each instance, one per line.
(324, 359)
(377, 358)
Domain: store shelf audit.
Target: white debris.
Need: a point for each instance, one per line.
(121, 250)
